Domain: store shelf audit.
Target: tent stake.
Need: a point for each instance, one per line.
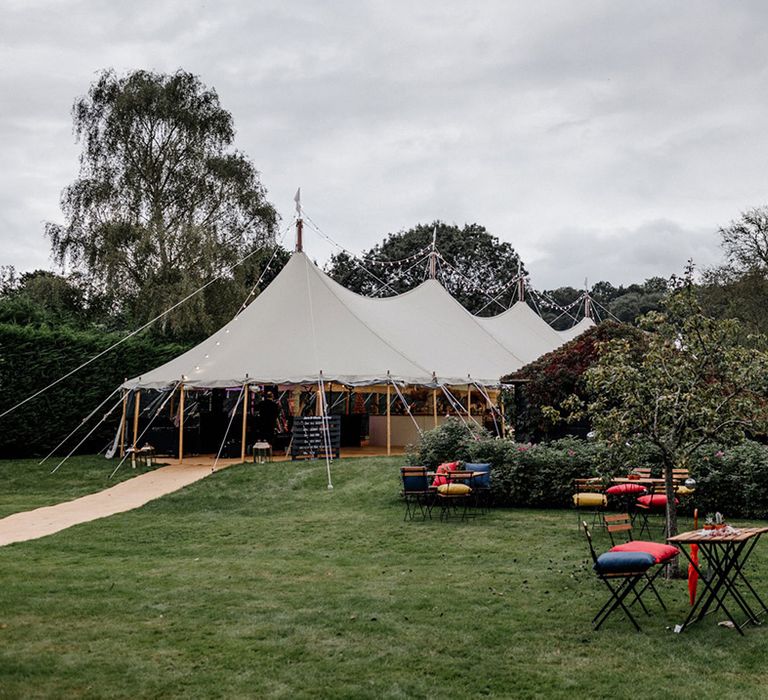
(245, 422)
(181, 423)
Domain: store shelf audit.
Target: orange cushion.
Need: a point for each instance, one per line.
(660, 552)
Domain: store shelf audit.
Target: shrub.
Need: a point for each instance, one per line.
(30, 358)
(539, 476)
(733, 481)
(449, 442)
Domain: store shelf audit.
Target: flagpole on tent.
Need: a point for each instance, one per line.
(299, 222)
(123, 422)
(245, 422)
(181, 422)
(136, 406)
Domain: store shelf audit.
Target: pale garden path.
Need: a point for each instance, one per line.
(126, 495)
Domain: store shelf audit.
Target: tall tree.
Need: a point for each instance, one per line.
(162, 202)
(745, 240)
(690, 381)
(474, 266)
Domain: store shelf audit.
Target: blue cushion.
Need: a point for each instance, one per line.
(623, 562)
(484, 480)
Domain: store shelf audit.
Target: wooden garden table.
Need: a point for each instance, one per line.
(726, 555)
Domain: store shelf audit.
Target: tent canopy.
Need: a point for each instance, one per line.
(304, 325)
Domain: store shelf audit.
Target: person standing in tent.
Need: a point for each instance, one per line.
(267, 412)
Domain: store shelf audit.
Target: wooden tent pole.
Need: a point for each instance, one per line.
(136, 405)
(503, 418)
(389, 423)
(245, 422)
(469, 401)
(181, 423)
(123, 421)
(318, 405)
(434, 405)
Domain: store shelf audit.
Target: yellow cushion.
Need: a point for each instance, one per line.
(585, 500)
(454, 489)
(684, 491)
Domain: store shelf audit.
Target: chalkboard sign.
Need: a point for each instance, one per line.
(310, 440)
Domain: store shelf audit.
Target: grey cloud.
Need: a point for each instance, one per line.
(547, 122)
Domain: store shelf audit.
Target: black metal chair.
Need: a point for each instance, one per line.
(621, 572)
(662, 553)
(588, 497)
(416, 492)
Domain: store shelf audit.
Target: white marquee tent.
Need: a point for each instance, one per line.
(305, 326)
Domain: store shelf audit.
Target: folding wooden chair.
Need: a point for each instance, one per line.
(648, 505)
(621, 525)
(621, 572)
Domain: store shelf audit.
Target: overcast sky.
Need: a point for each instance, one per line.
(604, 140)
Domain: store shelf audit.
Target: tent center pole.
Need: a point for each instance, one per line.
(245, 422)
(503, 416)
(123, 423)
(136, 406)
(469, 401)
(434, 405)
(181, 423)
(389, 422)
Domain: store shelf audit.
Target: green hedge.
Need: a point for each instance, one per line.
(31, 358)
(731, 480)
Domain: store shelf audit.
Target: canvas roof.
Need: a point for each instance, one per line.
(523, 331)
(304, 324)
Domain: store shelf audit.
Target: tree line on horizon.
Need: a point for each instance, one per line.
(163, 203)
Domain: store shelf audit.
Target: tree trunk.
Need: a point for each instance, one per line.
(673, 568)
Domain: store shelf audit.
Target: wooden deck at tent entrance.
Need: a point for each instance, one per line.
(280, 456)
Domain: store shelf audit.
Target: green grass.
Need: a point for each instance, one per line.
(26, 484)
(258, 582)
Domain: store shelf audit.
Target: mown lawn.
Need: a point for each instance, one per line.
(258, 582)
(26, 484)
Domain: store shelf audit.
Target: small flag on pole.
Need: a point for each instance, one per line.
(297, 199)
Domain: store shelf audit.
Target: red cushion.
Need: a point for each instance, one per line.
(660, 552)
(625, 489)
(444, 468)
(658, 500)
